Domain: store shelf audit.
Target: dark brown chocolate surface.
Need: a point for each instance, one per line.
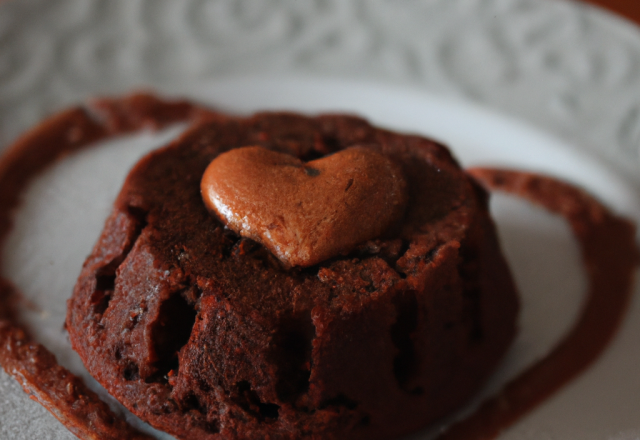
(206, 335)
(627, 8)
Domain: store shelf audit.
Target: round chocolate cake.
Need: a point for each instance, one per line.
(206, 334)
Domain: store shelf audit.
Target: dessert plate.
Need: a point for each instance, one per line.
(65, 207)
(543, 85)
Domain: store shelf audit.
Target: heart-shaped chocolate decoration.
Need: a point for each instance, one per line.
(302, 212)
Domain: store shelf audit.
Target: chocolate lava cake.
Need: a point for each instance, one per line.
(207, 335)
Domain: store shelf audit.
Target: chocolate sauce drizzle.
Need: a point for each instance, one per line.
(31, 364)
(610, 256)
(607, 243)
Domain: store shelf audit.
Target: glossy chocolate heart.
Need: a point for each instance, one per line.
(305, 213)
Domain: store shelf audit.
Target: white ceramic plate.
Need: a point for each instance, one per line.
(345, 66)
(65, 208)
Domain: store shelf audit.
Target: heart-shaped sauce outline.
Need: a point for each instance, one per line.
(607, 242)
